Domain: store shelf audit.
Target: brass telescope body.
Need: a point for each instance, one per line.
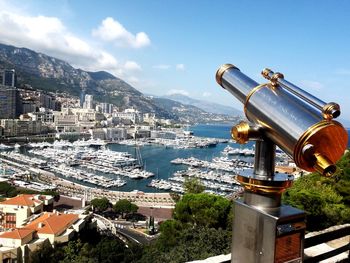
(299, 123)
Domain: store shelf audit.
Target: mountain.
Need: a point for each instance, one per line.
(192, 114)
(55, 75)
(205, 105)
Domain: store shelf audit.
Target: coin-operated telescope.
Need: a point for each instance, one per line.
(281, 114)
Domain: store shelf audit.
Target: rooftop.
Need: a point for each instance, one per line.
(18, 233)
(22, 200)
(52, 223)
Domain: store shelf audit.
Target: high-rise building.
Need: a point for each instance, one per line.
(9, 77)
(28, 106)
(82, 98)
(10, 102)
(47, 101)
(88, 103)
(107, 108)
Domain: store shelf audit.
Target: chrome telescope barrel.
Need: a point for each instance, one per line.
(289, 121)
(328, 110)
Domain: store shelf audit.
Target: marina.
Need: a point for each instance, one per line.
(143, 164)
(177, 143)
(218, 176)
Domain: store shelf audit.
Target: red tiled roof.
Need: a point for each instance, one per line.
(18, 233)
(52, 223)
(23, 200)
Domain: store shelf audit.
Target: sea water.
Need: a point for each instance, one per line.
(156, 158)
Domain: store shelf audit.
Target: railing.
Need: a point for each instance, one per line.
(326, 237)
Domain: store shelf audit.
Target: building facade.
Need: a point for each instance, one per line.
(107, 108)
(110, 134)
(43, 115)
(17, 244)
(15, 211)
(10, 102)
(8, 77)
(130, 114)
(88, 102)
(17, 127)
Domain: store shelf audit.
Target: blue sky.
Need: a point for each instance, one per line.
(163, 47)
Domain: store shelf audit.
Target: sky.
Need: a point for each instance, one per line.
(165, 47)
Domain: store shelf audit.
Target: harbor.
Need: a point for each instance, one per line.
(143, 164)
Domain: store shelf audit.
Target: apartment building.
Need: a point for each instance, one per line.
(15, 211)
(16, 244)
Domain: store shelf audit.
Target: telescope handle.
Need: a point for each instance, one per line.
(328, 110)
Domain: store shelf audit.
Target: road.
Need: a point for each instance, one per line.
(123, 231)
(134, 236)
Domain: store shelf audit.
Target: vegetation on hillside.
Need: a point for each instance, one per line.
(124, 207)
(193, 186)
(89, 247)
(200, 229)
(7, 190)
(100, 204)
(326, 201)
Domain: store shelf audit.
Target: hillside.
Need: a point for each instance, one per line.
(51, 74)
(205, 105)
(191, 114)
(55, 75)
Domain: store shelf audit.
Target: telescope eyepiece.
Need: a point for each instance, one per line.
(323, 165)
(331, 111)
(320, 162)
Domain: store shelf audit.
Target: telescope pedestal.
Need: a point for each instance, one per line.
(264, 231)
(264, 235)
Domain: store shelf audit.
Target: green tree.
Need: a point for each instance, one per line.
(189, 243)
(342, 178)
(110, 250)
(175, 196)
(318, 197)
(193, 186)
(55, 194)
(45, 253)
(203, 210)
(124, 206)
(91, 247)
(7, 190)
(100, 204)
(170, 234)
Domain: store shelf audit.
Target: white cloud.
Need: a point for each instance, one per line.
(178, 91)
(206, 94)
(315, 85)
(50, 36)
(132, 66)
(161, 66)
(180, 67)
(133, 80)
(111, 30)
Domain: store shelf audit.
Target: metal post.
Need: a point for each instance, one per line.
(263, 230)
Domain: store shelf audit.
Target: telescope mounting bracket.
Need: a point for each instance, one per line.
(263, 188)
